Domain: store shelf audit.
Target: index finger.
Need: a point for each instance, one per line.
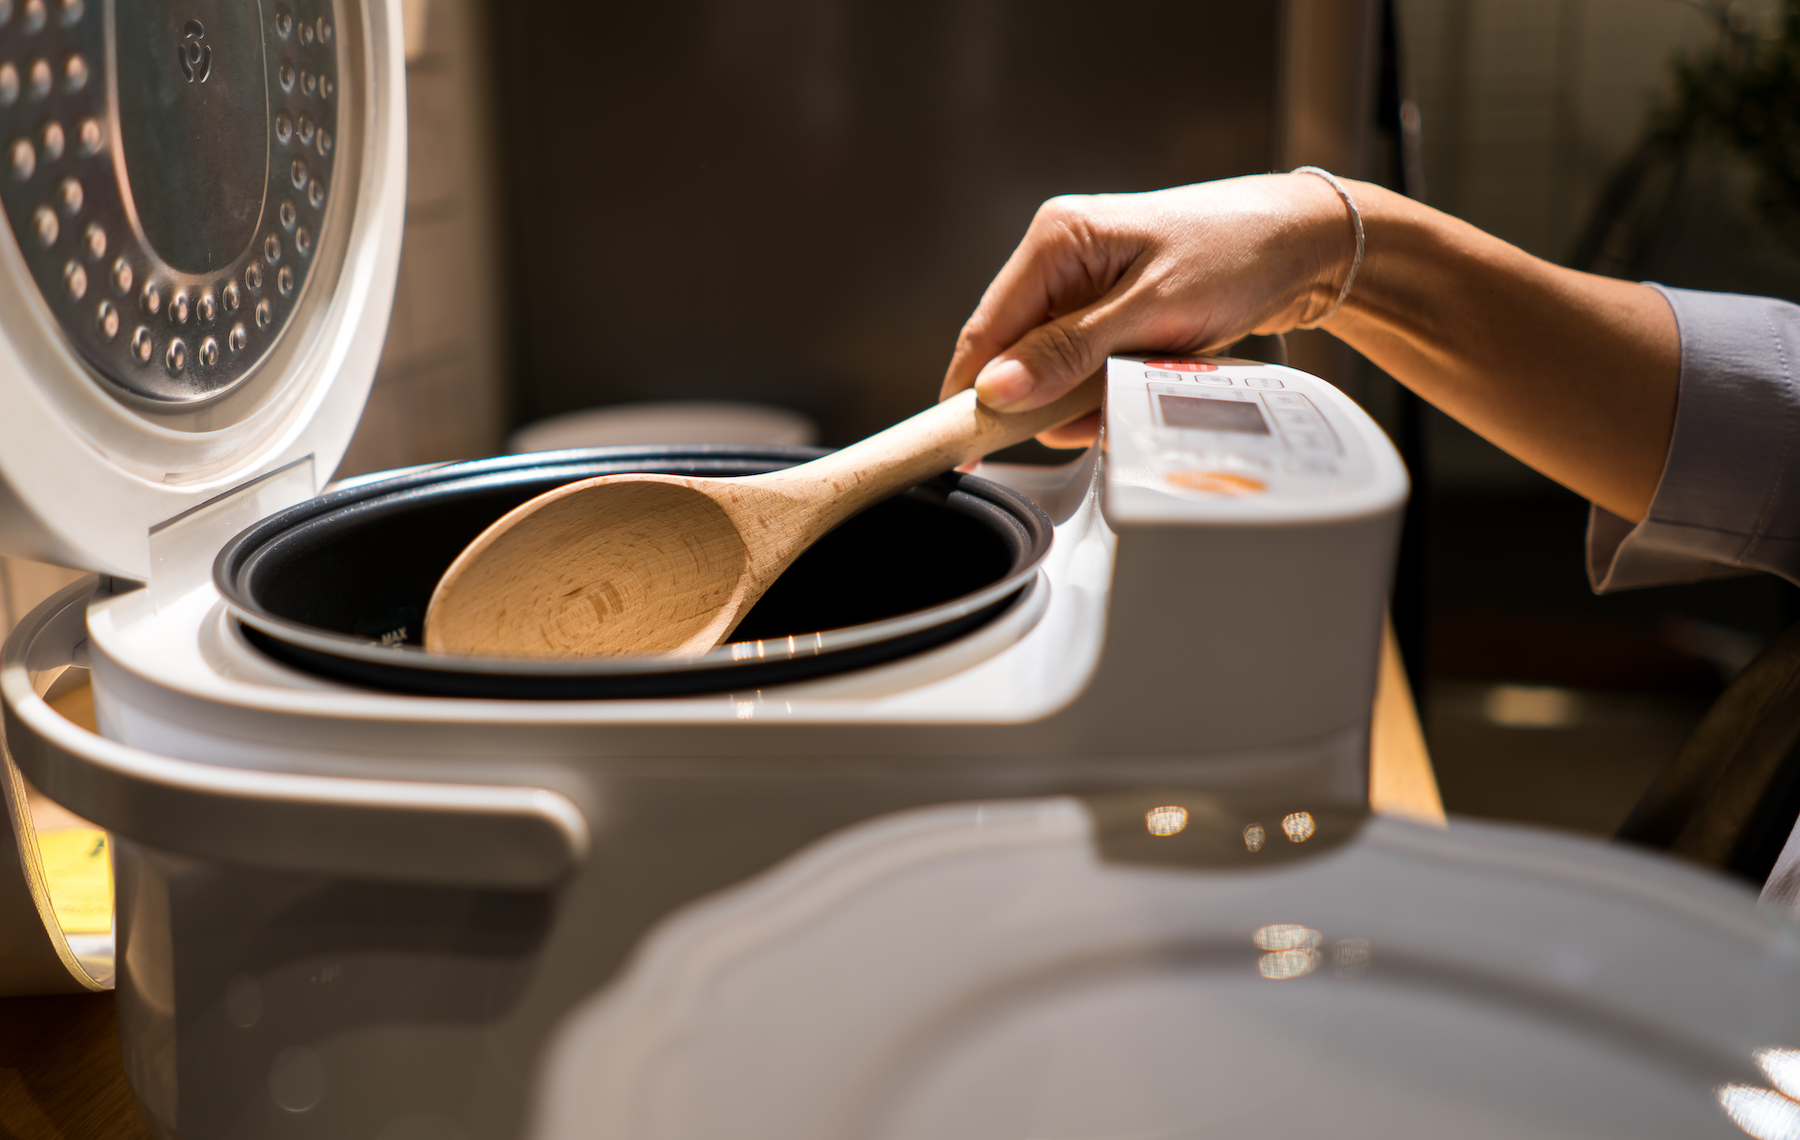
(1015, 302)
(1061, 265)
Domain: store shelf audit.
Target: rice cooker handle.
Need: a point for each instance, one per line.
(443, 834)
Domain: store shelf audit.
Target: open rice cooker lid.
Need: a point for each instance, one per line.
(202, 216)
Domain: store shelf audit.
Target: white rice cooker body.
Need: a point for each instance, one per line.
(254, 806)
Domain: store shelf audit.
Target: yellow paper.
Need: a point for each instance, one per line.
(79, 874)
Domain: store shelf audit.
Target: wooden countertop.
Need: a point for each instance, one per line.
(1401, 779)
(60, 1074)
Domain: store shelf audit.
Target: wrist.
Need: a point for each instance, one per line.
(1335, 242)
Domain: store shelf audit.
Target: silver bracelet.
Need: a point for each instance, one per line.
(1355, 220)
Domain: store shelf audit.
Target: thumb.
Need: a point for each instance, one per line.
(1049, 360)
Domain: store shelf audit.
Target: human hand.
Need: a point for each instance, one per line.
(1192, 269)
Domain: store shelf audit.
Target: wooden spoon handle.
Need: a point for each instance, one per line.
(934, 441)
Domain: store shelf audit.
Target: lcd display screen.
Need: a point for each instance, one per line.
(1212, 415)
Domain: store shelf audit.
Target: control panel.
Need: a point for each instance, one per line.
(1239, 437)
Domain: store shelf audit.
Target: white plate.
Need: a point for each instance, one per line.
(979, 971)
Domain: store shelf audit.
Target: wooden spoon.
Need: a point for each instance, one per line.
(670, 564)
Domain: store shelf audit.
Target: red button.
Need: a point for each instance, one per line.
(1181, 365)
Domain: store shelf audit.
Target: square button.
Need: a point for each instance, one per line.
(1263, 382)
(1287, 400)
(1213, 378)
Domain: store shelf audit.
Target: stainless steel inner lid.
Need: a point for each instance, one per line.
(203, 211)
(166, 175)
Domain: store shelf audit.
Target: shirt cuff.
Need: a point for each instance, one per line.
(1621, 556)
(1728, 502)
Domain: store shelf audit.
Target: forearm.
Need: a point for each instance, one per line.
(1574, 374)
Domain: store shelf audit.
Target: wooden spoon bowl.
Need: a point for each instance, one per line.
(633, 564)
(583, 561)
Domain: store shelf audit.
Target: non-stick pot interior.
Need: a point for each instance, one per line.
(363, 564)
(370, 573)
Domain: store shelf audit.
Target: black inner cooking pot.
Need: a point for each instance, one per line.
(338, 585)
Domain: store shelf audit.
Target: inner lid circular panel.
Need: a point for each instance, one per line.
(173, 248)
(203, 207)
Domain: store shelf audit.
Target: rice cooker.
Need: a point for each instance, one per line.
(1031, 803)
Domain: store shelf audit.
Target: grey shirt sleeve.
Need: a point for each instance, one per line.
(1729, 499)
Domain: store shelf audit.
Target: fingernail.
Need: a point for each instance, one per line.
(1002, 383)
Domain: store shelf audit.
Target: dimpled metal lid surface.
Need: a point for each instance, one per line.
(165, 173)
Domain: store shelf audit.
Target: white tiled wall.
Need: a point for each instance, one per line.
(1528, 105)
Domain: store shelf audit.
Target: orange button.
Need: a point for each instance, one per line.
(1181, 365)
(1217, 482)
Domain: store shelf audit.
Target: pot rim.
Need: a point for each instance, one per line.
(236, 552)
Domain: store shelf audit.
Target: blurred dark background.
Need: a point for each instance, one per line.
(797, 202)
(800, 200)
